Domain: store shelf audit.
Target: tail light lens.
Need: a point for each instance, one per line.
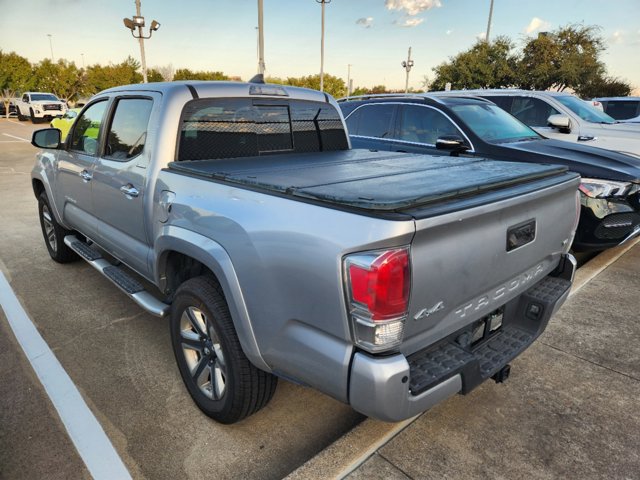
(377, 284)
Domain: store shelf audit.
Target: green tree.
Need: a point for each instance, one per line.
(100, 77)
(186, 74)
(154, 75)
(16, 73)
(605, 87)
(62, 78)
(484, 65)
(568, 57)
(334, 86)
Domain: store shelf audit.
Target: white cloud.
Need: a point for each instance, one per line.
(537, 24)
(365, 22)
(410, 22)
(412, 7)
(618, 37)
(449, 32)
(481, 35)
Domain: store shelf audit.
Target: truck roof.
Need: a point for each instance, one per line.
(201, 88)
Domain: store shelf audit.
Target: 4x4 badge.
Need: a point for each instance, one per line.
(427, 312)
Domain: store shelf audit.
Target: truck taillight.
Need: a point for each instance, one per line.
(378, 284)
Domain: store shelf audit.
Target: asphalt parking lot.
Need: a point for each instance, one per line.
(570, 409)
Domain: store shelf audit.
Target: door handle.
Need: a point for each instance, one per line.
(129, 190)
(86, 176)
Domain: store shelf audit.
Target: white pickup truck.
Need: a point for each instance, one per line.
(39, 106)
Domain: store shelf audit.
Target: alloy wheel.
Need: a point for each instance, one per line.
(203, 353)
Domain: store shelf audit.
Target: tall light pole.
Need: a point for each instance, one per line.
(486, 37)
(261, 66)
(348, 80)
(323, 2)
(407, 66)
(137, 22)
(50, 46)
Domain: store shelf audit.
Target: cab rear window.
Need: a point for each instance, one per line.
(245, 127)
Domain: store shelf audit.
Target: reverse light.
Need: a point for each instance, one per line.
(377, 284)
(596, 188)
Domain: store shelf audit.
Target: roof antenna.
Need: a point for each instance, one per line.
(257, 78)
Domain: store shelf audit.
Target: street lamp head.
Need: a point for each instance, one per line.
(128, 23)
(154, 26)
(138, 21)
(410, 63)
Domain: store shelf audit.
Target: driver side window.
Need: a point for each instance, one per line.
(86, 130)
(532, 111)
(425, 125)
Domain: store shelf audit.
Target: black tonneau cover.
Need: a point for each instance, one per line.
(363, 179)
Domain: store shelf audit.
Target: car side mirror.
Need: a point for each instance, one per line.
(561, 122)
(452, 143)
(46, 138)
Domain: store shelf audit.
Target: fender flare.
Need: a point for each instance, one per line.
(39, 174)
(215, 257)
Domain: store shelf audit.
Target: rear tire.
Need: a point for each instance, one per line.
(54, 233)
(219, 377)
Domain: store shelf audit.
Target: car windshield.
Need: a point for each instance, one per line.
(585, 111)
(493, 124)
(39, 97)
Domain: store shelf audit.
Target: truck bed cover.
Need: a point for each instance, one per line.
(363, 179)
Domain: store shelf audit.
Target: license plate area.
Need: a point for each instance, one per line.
(485, 328)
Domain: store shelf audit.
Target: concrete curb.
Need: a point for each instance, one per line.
(596, 265)
(355, 447)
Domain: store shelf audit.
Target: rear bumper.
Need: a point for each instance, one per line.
(395, 387)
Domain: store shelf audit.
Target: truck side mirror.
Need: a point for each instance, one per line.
(46, 138)
(452, 143)
(561, 122)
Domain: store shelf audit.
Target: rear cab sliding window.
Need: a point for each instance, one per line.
(244, 127)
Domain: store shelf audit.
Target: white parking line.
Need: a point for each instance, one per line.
(83, 428)
(17, 138)
(17, 123)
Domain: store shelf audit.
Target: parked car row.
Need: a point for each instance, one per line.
(470, 124)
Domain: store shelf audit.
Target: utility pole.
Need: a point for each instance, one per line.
(141, 40)
(261, 66)
(137, 23)
(407, 66)
(348, 80)
(322, 46)
(486, 37)
(51, 47)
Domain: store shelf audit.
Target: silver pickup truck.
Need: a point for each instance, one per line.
(387, 281)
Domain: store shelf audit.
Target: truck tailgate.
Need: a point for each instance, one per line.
(464, 268)
(370, 181)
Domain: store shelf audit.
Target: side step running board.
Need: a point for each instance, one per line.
(122, 279)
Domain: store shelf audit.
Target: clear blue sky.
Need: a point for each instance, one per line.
(372, 35)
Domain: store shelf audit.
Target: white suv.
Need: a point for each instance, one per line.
(623, 109)
(564, 116)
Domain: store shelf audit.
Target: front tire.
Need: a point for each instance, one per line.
(33, 117)
(219, 377)
(21, 117)
(54, 233)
